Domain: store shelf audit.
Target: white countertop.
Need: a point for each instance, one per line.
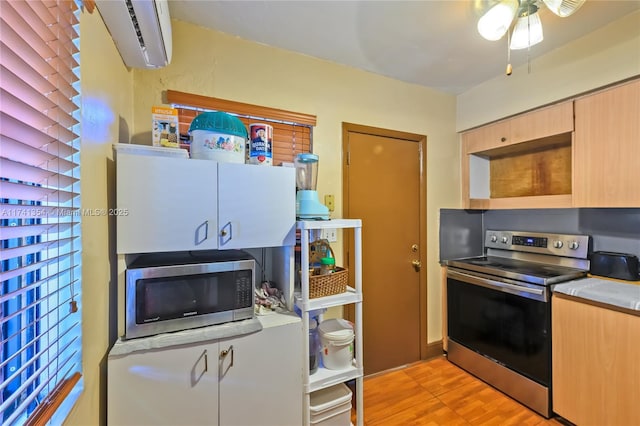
(203, 334)
(611, 292)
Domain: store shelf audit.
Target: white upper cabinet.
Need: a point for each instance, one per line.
(177, 204)
(256, 206)
(166, 204)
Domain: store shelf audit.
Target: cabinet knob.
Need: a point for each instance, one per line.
(223, 233)
(225, 352)
(503, 139)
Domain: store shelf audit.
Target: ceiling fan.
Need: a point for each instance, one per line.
(527, 31)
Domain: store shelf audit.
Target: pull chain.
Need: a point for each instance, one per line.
(509, 67)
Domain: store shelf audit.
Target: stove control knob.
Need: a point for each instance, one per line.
(505, 240)
(558, 244)
(494, 238)
(573, 245)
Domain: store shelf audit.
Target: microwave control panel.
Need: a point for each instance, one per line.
(244, 290)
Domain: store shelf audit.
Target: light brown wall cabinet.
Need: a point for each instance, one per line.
(596, 373)
(521, 162)
(607, 148)
(548, 159)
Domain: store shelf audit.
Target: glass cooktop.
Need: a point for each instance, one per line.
(531, 272)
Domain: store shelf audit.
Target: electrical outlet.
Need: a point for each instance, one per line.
(330, 235)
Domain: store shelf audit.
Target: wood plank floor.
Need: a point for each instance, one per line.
(436, 392)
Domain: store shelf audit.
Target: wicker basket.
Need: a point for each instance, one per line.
(328, 284)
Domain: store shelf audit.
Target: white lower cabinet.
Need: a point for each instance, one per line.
(169, 386)
(263, 385)
(253, 379)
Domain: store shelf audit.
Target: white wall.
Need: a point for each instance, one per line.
(605, 56)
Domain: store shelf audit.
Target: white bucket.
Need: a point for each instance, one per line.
(221, 147)
(336, 337)
(260, 146)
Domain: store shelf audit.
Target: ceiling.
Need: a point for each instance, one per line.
(430, 43)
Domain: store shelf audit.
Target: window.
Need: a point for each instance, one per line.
(292, 131)
(40, 249)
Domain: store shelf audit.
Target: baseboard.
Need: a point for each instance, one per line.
(433, 350)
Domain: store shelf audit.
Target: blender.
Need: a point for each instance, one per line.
(308, 207)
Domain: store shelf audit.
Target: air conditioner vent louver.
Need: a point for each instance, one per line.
(134, 20)
(141, 30)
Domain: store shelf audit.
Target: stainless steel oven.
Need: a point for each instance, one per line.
(498, 310)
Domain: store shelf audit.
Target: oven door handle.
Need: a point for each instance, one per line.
(532, 293)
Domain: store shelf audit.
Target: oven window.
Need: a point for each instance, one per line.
(511, 329)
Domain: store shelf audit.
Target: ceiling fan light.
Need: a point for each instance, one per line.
(496, 22)
(527, 32)
(563, 8)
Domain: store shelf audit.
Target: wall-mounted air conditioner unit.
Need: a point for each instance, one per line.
(141, 30)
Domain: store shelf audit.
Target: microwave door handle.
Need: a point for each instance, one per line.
(497, 285)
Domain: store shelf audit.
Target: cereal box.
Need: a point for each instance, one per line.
(164, 127)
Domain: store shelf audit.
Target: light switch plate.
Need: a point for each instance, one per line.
(329, 202)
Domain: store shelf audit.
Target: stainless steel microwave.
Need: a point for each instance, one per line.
(168, 292)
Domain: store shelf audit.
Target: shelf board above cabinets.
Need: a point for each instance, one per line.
(532, 169)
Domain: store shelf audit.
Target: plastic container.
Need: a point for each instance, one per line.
(314, 346)
(327, 265)
(336, 338)
(218, 136)
(331, 406)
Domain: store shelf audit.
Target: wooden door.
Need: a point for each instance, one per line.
(385, 186)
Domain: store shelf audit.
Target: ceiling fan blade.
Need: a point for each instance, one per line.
(563, 8)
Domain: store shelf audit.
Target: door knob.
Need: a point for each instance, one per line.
(416, 264)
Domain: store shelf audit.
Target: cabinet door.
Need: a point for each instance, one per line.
(264, 384)
(256, 206)
(486, 137)
(596, 373)
(607, 148)
(543, 123)
(173, 386)
(540, 124)
(170, 204)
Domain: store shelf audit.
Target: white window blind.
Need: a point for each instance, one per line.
(40, 316)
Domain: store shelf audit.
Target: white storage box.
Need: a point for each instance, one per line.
(155, 151)
(331, 406)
